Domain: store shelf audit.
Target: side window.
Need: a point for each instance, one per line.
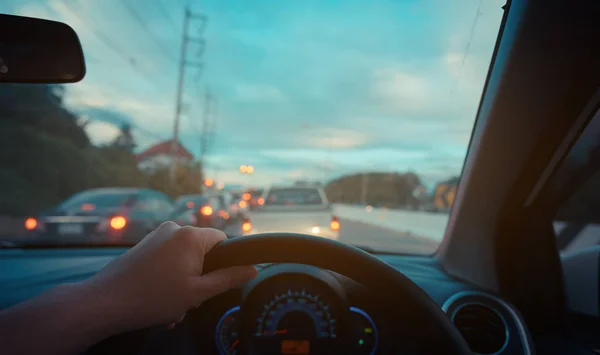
(577, 224)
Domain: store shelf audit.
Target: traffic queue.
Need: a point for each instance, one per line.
(126, 215)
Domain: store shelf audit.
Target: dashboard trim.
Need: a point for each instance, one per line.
(522, 330)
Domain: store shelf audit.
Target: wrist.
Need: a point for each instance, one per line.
(93, 311)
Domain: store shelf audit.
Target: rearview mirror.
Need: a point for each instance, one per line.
(39, 51)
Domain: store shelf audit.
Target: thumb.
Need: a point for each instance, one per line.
(213, 283)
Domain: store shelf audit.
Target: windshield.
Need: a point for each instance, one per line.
(371, 102)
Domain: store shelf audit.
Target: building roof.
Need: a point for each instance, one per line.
(164, 147)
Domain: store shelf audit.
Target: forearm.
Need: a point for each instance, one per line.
(64, 320)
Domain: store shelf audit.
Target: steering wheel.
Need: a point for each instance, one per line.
(420, 318)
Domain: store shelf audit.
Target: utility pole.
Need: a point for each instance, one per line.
(183, 63)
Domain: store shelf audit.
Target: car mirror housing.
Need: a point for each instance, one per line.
(39, 51)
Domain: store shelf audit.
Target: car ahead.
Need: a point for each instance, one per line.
(239, 206)
(254, 198)
(208, 211)
(103, 215)
(296, 209)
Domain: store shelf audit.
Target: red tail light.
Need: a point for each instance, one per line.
(260, 201)
(118, 222)
(31, 223)
(246, 226)
(206, 211)
(334, 225)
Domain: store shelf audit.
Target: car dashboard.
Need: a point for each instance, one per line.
(287, 309)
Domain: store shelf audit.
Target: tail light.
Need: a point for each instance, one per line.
(206, 211)
(31, 223)
(334, 225)
(246, 196)
(118, 222)
(223, 214)
(246, 226)
(260, 201)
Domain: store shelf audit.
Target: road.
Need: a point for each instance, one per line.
(378, 238)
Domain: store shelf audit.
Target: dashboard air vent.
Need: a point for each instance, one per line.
(483, 329)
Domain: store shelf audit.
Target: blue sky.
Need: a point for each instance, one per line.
(305, 88)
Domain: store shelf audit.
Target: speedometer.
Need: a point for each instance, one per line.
(295, 322)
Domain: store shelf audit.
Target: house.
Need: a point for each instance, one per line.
(159, 156)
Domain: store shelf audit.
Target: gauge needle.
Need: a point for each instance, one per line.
(235, 343)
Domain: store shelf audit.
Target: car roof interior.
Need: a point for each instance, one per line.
(541, 92)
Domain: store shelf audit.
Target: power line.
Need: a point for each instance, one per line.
(133, 12)
(108, 42)
(164, 9)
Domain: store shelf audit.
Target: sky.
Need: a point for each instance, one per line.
(304, 89)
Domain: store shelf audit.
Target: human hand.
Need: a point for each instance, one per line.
(159, 280)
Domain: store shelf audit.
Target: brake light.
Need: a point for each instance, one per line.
(118, 222)
(246, 226)
(261, 201)
(31, 223)
(88, 207)
(334, 225)
(206, 211)
(246, 196)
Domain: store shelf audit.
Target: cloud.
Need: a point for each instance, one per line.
(101, 132)
(400, 90)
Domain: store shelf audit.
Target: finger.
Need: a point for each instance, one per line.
(216, 282)
(202, 238)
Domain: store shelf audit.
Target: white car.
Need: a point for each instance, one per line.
(296, 209)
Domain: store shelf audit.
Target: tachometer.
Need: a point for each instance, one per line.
(227, 332)
(295, 322)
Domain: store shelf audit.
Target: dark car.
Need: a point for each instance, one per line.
(209, 211)
(105, 214)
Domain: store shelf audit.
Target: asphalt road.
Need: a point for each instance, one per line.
(383, 239)
(363, 234)
(351, 232)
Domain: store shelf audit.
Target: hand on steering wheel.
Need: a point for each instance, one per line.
(161, 278)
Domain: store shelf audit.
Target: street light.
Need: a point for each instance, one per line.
(246, 169)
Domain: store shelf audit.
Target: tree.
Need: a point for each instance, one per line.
(125, 139)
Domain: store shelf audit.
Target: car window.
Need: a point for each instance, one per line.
(294, 196)
(145, 202)
(96, 200)
(577, 224)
